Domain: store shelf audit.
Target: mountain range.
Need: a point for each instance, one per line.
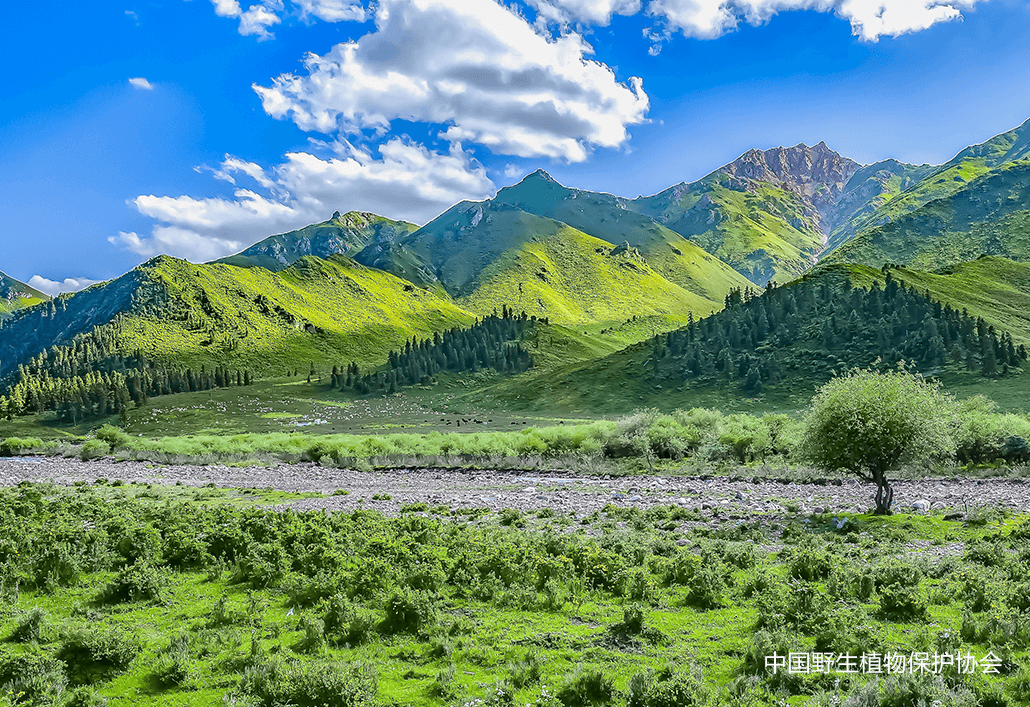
(357, 285)
(15, 295)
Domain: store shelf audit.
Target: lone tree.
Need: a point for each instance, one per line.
(870, 423)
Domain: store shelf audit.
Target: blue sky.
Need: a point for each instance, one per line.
(249, 118)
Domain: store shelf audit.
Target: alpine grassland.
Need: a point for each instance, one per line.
(16, 295)
(123, 595)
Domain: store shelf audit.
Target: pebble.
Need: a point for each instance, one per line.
(502, 489)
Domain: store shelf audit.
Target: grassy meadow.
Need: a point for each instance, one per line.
(142, 596)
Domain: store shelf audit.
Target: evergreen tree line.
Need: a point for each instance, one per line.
(492, 342)
(92, 377)
(814, 327)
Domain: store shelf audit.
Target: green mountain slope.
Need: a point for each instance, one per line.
(868, 189)
(494, 253)
(607, 217)
(765, 214)
(990, 215)
(784, 344)
(323, 311)
(944, 181)
(344, 234)
(15, 295)
(489, 255)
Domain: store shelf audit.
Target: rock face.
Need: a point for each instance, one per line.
(816, 175)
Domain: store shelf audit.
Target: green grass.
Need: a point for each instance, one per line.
(988, 216)
(942, 183)
(343, 234)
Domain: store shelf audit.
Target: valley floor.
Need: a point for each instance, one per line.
(715, 500)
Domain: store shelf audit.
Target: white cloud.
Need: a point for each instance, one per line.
(256, 19)
(405, 181)
(141, 83)
(333, 10)
(870, 19)
(593, 12)
(477, 67)
(56, 287)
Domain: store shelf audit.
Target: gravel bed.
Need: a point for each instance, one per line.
(560, 491)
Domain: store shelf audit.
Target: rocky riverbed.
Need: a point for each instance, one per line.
(389, 490)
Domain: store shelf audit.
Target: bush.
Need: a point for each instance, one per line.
(175, 665)
(16, 446)
(114, 436)
(299, 684)
(345, 624)
(409, 611)
(97, 652)
(37, 677)
(668, 688)
(904, 603)
(94, 449)
(54, 566)
(587, 687)
(138, 582)
(34, 627)
(869, 423)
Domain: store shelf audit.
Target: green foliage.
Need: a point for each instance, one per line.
(668, 687)
(587, 687)
(869, 423)
(141, 581)
(15, 446)
(114, 436)
(34, 627)
(409, 611)
(32, 678)
(96, 652)
(304, 684)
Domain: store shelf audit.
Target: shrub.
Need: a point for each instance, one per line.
(15, 446)
(34, 627)
(175, 666)
(114, 436)
(525, 672)
(314, 640)
(587, 687)
(901, 602)
(408, 611)
(303, 684)
(97, 652)
(85, 697)
(94, 449)
(632, 619)
(36, 676)
(668, 688)
(869, 423)
(138, 582)
(54, 566)
(345, 624)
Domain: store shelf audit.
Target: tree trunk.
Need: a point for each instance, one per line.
(884, 494)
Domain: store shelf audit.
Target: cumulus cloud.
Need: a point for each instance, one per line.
(332, 10)
(405, 181)
(870, 19)
(593, 12)
(256, 19)
(56, 287)
(478, 68)
(141, 83)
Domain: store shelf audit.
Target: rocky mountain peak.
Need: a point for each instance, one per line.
(817, 174)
